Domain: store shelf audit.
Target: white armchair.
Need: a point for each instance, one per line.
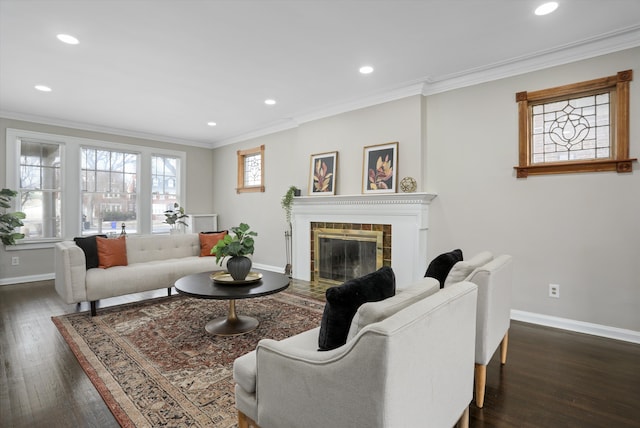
(494, 281)
(413, 368)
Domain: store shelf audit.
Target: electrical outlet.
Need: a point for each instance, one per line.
(554, 290)
(15, 261)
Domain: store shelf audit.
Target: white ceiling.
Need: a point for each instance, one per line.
(162, 69)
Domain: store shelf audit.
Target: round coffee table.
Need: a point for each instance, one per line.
(201, 286)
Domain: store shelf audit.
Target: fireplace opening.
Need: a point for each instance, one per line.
(340, 255)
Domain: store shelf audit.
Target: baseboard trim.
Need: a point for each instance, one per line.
(276, 269)
(27, 278)
(577, 326)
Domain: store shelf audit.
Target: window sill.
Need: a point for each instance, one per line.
(250, 189)
(619, 165)
(32, 245)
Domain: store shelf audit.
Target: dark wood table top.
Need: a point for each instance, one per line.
(201, 285)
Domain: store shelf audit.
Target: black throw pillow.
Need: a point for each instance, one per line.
(440, 266)
(90, 248)
(343, 303)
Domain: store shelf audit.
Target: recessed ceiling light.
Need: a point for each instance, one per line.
(65, 38)
(211, 123)
(366, 69)
(546, 8)
(269, 102)
(43, 88)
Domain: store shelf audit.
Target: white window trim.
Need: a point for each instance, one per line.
(71, 210)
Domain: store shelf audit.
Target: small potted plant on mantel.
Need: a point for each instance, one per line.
(9, 221)
(238, 247)
(175, 218)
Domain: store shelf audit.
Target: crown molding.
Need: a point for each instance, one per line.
(102, 129)
(397, 93)
(279, 126)
(603, 44)
(626, 38)
(371, 100)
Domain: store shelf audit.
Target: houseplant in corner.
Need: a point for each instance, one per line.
(9, 221)
(238, 247)
(174, 218)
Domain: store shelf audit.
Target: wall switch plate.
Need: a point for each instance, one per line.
(554, 291)
(15, 261)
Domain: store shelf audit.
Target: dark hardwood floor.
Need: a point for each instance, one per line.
(552, 378)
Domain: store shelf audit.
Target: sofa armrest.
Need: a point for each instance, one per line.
(70, 265)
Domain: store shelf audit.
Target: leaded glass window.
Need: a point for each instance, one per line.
(573, 129)
(251, 170)
(581, 127)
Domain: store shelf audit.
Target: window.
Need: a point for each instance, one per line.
(582, 127)
(251, 170)
(109, 191)
(72, 186)
(164, 189)
(39, 192)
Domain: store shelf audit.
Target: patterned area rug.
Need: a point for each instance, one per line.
(154, 365)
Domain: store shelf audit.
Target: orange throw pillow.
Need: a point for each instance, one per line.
(208, 241)
(111, 252)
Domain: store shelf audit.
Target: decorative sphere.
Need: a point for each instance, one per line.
(408, 185)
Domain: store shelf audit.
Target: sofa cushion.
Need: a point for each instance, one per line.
(90, 248)
(440, 266)
(343, 302)
(112, 252)
(208, 240)
(461, 270)
(372, 312)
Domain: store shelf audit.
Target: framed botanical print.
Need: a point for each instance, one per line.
(322, 177)
(380, 168)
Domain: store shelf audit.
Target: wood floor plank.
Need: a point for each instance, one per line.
(553, 378)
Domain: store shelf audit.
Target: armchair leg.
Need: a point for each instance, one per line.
(463, 422)
(503, 348)
(246, 422)
(480, 380)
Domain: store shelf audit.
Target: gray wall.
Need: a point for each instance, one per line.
(199, 199)
(581, 231)
(287, 162)
(577, 230)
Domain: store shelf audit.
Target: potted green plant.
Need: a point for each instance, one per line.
(175, 216)
(287, 204)
(287, 201)
(237, 246)
(9, 221)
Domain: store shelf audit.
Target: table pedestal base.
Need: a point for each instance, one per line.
(232, 324)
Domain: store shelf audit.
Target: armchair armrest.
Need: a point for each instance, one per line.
(71, 271)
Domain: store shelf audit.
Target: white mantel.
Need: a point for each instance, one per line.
(407, 213)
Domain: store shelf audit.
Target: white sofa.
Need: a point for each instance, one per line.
(154, 261)
(408, 362)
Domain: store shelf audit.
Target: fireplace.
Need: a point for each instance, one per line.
(342, 251)
(404, 213)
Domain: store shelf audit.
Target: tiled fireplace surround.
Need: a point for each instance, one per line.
(407, 213)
